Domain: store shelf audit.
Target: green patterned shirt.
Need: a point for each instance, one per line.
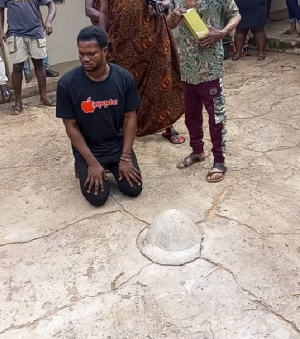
(199, 64)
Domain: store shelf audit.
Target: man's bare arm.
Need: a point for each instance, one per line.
(104, 15)
(51, 12)
(90, 11)
(50, 17)
(78, 141)
(232, 24)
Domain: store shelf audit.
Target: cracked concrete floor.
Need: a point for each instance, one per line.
(72, 271)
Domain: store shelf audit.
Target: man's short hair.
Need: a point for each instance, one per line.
(93, 33)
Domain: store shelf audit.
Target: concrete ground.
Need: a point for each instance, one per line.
(72, 271)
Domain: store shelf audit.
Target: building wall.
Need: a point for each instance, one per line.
(70, 18)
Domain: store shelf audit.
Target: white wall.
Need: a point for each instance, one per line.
(70, 18)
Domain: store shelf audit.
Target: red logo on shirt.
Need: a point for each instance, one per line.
(89, 106)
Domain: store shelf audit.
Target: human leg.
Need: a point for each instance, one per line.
(123, 184)
(214, 102)
(17, 78)
(50, 73)
(269, 4)
(19, 54)
(82, 172)
(38, 51)
(27, 71)
(239, 41)
(260, 37)
(294, 12)
(194, 120)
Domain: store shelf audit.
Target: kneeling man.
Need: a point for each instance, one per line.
(97, 102)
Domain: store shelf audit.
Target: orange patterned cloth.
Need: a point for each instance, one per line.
(145, 46)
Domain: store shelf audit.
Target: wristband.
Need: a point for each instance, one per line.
(126, 160)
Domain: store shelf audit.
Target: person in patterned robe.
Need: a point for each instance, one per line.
(143, 44)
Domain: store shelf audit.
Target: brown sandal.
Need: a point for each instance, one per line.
(193, 160)
(222, 170)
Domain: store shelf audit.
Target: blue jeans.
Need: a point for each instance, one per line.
(294, 10)
(46, 64)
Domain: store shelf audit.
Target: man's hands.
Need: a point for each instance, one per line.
(212, 38)
(130, 173)
(96, 177)
(48, 27)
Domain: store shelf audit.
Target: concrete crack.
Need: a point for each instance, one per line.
(212, 212)
(53, 312)
(59, 230)
(257, 300)
(127, 212)
(240, 223)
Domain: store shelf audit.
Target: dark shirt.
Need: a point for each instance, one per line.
(98, 107)
(24, 17)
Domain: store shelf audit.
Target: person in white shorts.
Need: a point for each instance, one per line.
(26, 38)
(5, 92)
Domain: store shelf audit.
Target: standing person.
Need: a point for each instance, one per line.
(25, 38)
(294, 15)
(201, 72)
(5, 92)
(254, 18)
(92, 10)
(97, 102)
(269, 4)
(143, 44)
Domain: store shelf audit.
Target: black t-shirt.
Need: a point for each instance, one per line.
(98, 107)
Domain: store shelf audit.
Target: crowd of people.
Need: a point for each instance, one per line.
(131, 80)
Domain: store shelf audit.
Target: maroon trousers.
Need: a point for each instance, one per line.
(211, 96)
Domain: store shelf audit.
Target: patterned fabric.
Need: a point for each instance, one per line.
(97, 4)
(145, 46)
(199, 64)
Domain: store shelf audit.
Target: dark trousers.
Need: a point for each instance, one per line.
(294, 10)
(100, 199)
(211, 96)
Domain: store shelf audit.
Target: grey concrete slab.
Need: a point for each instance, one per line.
(72, 271)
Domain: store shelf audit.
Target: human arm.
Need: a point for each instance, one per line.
(126, 168)
(96, 173)
(2, 33)
(231, 12)
(90, 11)
(50, 17)
(104, 15)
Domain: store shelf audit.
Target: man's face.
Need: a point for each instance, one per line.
(92, 57)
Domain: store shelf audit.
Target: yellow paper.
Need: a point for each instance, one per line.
(195, 23)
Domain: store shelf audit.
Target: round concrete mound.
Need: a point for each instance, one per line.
(172, 239)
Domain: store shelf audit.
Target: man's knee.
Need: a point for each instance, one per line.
(130, 191)
(18, 68)
(38, 64)
(96, 200)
